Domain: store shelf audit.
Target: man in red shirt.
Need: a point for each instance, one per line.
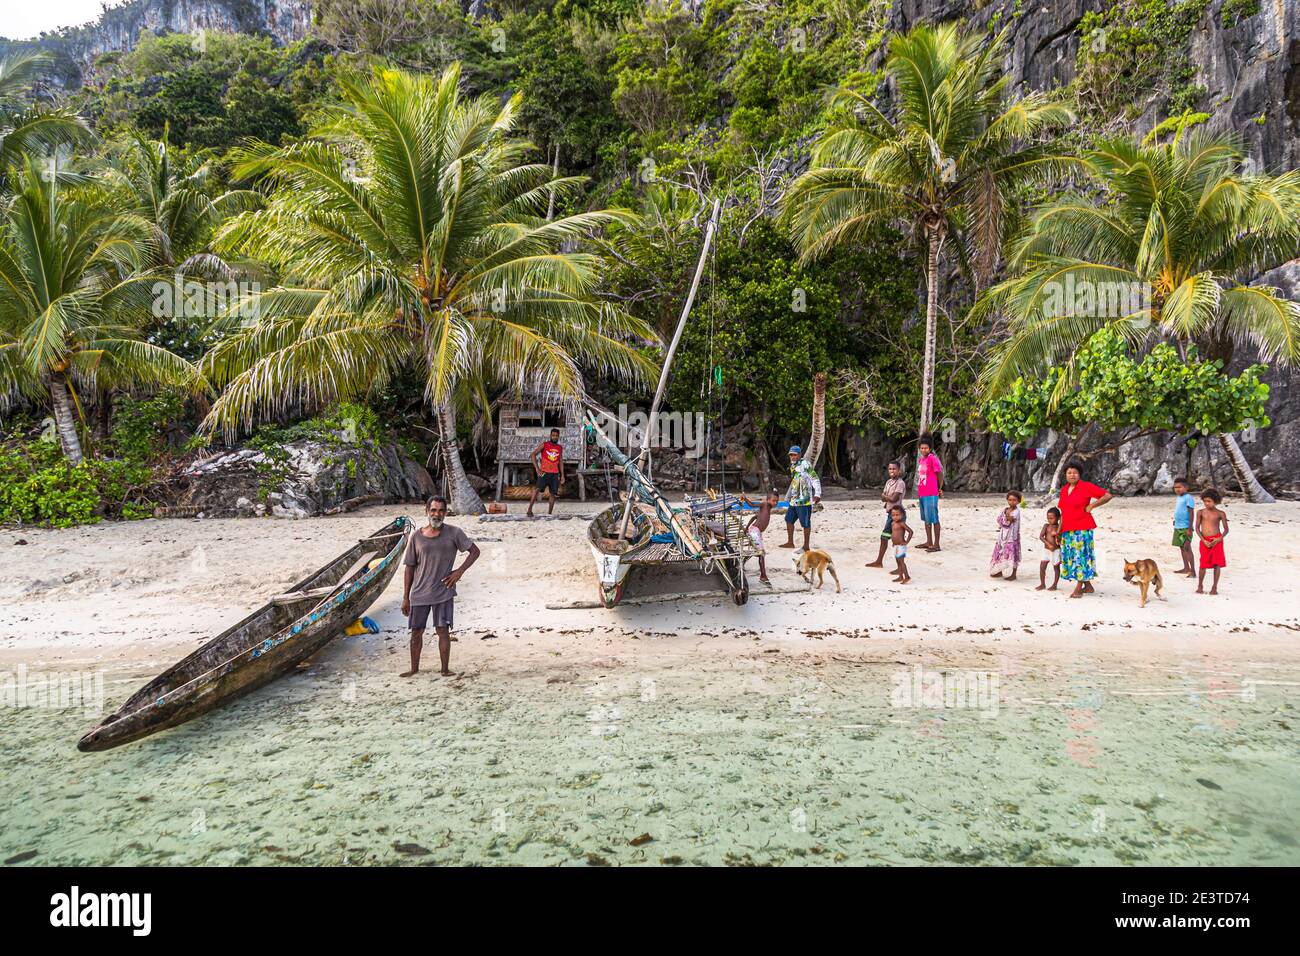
(548, 462)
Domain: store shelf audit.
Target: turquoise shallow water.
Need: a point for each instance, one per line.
(761, 757)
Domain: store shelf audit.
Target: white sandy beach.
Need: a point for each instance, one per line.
(772, 733)
(140, 589)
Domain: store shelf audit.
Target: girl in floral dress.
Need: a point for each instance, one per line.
(1006, 552)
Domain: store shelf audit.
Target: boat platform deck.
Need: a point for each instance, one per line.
(657, 553)
(668, 553)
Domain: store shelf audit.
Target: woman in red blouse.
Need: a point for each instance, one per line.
(1078, 557)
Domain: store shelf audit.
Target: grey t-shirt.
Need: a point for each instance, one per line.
(433, 559)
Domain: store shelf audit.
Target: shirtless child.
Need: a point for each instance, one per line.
(755, 528)
(900, 534)
(1211, 528)
(1051, 538)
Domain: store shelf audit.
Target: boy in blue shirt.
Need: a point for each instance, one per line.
(1184, 512)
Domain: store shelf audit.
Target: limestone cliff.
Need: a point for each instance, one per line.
(120, 27)
(1249, 70)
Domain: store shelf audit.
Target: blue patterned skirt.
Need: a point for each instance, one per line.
(1078, 559)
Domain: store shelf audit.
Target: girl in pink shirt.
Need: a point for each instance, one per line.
(929, 489)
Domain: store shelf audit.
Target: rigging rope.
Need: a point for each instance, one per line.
(716, 379)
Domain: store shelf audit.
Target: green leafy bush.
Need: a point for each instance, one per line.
(39, 486)
(140, 426)
(1161, 391)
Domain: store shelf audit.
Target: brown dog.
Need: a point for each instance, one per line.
(818, 562)
(1144, 573)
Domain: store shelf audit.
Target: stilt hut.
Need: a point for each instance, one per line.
(525, 421)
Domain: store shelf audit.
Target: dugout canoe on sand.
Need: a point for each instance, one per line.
(271, 641)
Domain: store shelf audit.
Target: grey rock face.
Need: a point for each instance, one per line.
(119, 28)
(1249, 70)
(313, 478)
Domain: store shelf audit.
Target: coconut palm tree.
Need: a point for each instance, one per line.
(943, 162)
(179, 194)
(1165, 252)
(72, 299)
(410, 232)
(26, 127)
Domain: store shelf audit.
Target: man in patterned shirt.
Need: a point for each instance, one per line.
(805, 491)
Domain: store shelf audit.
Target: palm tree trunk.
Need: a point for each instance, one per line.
(935, 239)
(65, 421)
(555, 173)
(103, 418)
(763, 451)
(1254, 491)
(1055, 487)
(818, 437)
(464, 499)
(1071, 446)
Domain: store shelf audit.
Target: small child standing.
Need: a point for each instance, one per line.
(1184, 513)
(755, 528)
(1051, 538)
(894, 490)
(1006, 551)
(900, 534)
(1212, 528)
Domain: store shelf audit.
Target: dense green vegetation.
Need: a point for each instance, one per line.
(1162, 260)
(1111, 392)
(212, 89)
(40, 485)
(416, 210)
(947, 166)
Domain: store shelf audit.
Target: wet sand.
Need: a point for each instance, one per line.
(957, 720)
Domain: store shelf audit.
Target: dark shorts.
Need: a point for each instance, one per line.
(888, 530)
(800, 513)
(1182, 536)
(440, 614)
(549, 481)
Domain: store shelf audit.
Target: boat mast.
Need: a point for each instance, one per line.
(651, 427)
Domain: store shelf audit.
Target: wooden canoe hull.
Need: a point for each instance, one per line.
(612, 564)
(271, 641)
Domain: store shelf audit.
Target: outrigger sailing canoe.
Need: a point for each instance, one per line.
(685, 535)
(272, 640)
(624, 535)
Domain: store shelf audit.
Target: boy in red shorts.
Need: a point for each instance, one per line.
(1211, 528)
